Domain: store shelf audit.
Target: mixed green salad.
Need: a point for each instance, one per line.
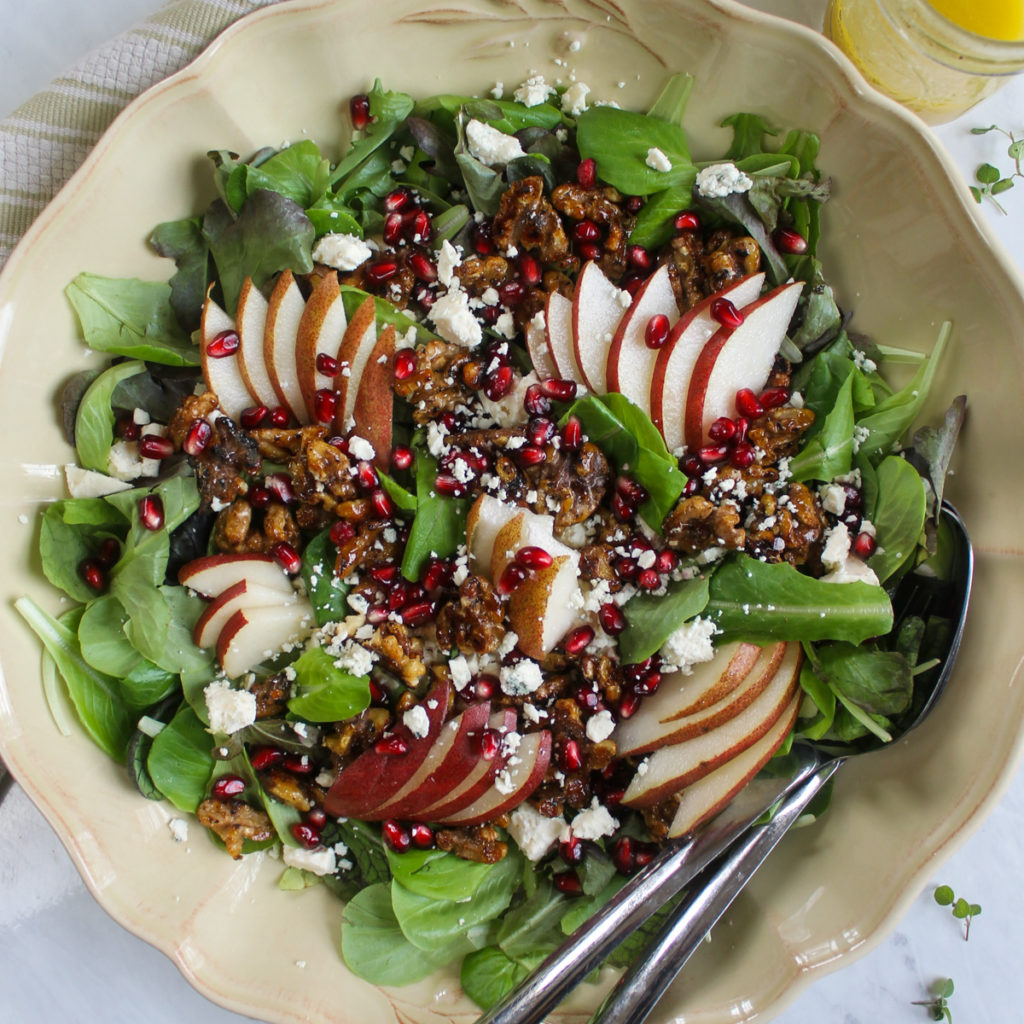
(443, 245)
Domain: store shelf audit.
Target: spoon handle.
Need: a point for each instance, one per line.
(642, 986)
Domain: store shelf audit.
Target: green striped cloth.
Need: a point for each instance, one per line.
(45, 140)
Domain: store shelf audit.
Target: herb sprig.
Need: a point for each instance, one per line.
(938, 1006)
(991, 181)
(962, 910)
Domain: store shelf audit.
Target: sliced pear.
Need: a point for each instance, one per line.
(284, 312)
(223, 375)
(596, 312)
(211, 575)
(486, 517)
(253, 635)
(537, 346)
(320, 332)
(240, 596)
(374, 405)
(358, 341)
(252, 324)
(545, 607)
(524, 529)
(558, 317)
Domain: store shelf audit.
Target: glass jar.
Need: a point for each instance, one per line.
(909, 51)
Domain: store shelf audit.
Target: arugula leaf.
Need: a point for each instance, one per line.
(324, 692)
(440, 523)
(326, 591)
(752, 600)
(180, 762)
(829, 452)
(94, 422)
(900, 511)
(651, 620)
(130, 317)
(94, 695)
(183, 242)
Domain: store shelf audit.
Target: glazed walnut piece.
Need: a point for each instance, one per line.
(481, 843)
(601, 206)
(239, 529)
(399, 651)
(527, 220)
(777, 433)
(695, 524)
(699, 267)
(473, 622)
(234, 821)
(786, 528)
(440, 381)
(570, 484)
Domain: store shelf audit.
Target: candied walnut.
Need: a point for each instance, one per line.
(234, 821)
(602, 207)
(399, 651)
(597, 563)
(194, 407)
(481, 843)
(786, 528)
(396, 288)
(685, 269)
(228, 459)
(438, 383)
(367, 547)
(239, 530)
(696, 524)
(570, 484)
(527, 220)
(478, 273)
(277, 443)
(777, 433)
(658, 818)
(279, 525)
(729, 257)
(289, 788)
(605, 673)
(473, 622)
(347, 740)
(271, 695)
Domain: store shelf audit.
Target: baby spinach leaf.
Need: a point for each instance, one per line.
(327, 592)
(138, 752)
(180, 762)
(94, 422)
(130, 317)
(671, 103)
(72, 530)
(403, 500)
(148, 684)
(879, 682)
(753, 600)
(183, 242)
(179, 653)
(533, 925)
(94, 695)
(374, 947)
(436, 874)
(899, 515)
(619, 140)
(489, 974)
(102, 638)
(829, 452)
(651, 620)
(299, 172)
(440, 523)
(332, 215)
(364, 850)
(654, 225)
(324, 692)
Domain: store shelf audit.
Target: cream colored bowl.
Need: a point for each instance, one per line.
(906, 250)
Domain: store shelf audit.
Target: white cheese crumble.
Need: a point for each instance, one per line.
(833, 499)
(320, 861)
(461, 674)
(574, 99)
(720, 180)
(594, 822)
(491, 146)
(361, 449)
(416, 721)
(689, 645)
(229, 709)
(447, 260)
(179, 829)
(657, 160)
(353, 658)
(853, 570)
(533, 91)
(521, 678)
(600, 726)
(533, 833)
(837, 547)
(343, 252)
(454, 320)
(87, 483)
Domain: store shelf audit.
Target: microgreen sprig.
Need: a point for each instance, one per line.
(962, 910)
(991, 181)
(937, 1006)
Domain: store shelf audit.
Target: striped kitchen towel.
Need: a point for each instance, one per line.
(46, 139)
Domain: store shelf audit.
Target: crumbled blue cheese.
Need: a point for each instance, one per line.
(533, 91)
(229, 709)
(508, 643)
(461, 674)
(179, 829)
(416, 721)
(600, 726)
(454, 320)
(125, 463)
(498, 91)
(574, 99)
(833, 499)
(720, 180)
(534, 833)
(360, 448)
(320, 861)
(447, 260)
(491, 146)
(853, 570)
(353, 658)
(341, 251)
(594, 822)
(837, 547)
(689, 645)
(521, 678)
(863, 362)
(657, 160)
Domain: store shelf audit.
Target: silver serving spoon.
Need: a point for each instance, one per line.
(678, 864)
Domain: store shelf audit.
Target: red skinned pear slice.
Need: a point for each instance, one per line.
(558, 318)
(284, 311)
(357, 343)
(252, 325)
(211, 575)
(240, 596)
(374, 405)
(321, 329)
(223, 376)
(597, 308)
(252, 635)
(486, 517)
(537, 346)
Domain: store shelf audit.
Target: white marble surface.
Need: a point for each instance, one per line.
(62, 958)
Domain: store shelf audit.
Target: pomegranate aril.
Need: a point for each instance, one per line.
(535, 402)
(558, 390)
(639, 257)
(197, 438)
(490, 744)
(395, 836)
(748, 404)
(378, 695)
(342, 531)
(316, 817)
(280, 487)
(421, 835)
(864, 545)
(306, 835)
(540, 431)
(692, 466)
(499, 383)
(392, 231)
(586, 172)
(531, 455)
(532, 557)
(649, 684)
(397, 199)
(252, 417)
(367, 475)
(571, 850)
(279, 416)
(512, 293)
(483, 243)
(570, 757)
(742, 426)
(687, 221)
(530, 269)
(742, 456)
(622, 508)
(772, 398)
(643, 854)
(572, 433)
(587, 697)
(711, 454)
(382, 270)
(666, 561)
(626, 569)
(590, 250)
(726, 313)
(648, 579)
(586, 231)
(423, 267)
(325, 404)
(401, 456)
(359, 110)
(153, 446)
(622, 856)
(382, 505)
(612, 620)
(222, 345)
(635, 204)
(789, 241)
(437, 574)
(656, 332)
(127, 429)
(287, 557)
(298, 764)
(377, 614)
(392, 746)
(485, 686)
(512, 578)
(258, 496)
(631, 490)
(384, 573)
(398, 596)
(418, 613)
(722, 429)
(405, 364)
(577, 640)
(109, 553)
(628, 704)
(263, 758)
(151, 512)
(632, 283)
(227, 786)
(446, 484)
(568, 882)
(418, 227)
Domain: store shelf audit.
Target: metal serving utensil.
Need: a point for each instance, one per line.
(679, 863)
